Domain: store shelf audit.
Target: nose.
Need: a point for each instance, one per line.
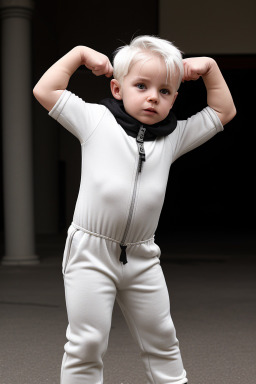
(153, 96)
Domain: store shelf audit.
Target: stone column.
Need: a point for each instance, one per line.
(17, 132)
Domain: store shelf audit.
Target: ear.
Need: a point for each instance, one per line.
(175, 97)
(116, 89)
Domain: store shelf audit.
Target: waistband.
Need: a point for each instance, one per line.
(110, 238)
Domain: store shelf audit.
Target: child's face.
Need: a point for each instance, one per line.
(147, 93)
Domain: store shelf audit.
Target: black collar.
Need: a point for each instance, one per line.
(132, 126)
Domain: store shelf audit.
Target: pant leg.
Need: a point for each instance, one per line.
(145, 305)
(90, 294)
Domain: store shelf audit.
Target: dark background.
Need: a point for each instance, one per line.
(210, 189)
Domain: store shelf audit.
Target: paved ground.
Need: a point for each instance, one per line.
(212, 289)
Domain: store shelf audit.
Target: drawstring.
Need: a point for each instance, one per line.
(123, 258)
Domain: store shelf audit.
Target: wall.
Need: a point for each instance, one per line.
(201, 27)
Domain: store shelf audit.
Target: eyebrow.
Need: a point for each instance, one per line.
(144, 78)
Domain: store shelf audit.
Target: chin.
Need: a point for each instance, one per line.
(148, 121)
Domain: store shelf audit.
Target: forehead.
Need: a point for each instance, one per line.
(152, 67)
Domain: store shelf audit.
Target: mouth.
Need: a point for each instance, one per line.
(151, 110)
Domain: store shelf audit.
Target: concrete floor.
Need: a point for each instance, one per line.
(212, 289)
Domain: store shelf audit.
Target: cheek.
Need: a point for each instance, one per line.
(131, 99)
(129, 104)
(166, 106)
(169, 104)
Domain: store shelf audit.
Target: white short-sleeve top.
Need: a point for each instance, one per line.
(109, 167)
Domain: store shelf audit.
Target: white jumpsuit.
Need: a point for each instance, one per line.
(119, 205)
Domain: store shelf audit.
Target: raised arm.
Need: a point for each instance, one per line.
(218, 95)
(51, 85)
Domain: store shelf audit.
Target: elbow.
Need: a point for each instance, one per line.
(41, 96)
(227, 117)
(36, 92)
(232, 113)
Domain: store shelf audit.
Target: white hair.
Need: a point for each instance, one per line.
(139, 49)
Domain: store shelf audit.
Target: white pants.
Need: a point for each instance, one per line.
(94, 278)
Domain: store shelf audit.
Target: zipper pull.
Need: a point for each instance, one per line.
(140, 143)
(123, 258)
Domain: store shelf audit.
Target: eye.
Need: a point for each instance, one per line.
(140, 86)
(165, 91)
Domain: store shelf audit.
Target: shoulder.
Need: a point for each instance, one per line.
(69, 103)
(206, 119)
(194, 131)
(77, 116)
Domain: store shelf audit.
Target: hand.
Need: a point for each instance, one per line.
(195, 67)
(98, 63)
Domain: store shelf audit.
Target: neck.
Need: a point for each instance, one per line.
(132, 126)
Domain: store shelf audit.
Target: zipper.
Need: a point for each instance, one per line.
(142, 158)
